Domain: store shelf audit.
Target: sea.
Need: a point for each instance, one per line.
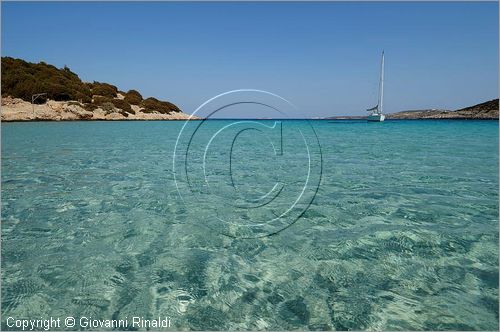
(250, 225)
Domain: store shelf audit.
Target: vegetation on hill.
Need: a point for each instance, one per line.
(103, 89)
(154, 105)
(22, 79)
(133, 97)
(109, 104)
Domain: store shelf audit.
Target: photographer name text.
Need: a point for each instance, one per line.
(86, 323)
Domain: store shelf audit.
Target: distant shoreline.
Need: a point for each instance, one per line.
(18, 110)
(484, 111)
(361, 120)
(417, 119)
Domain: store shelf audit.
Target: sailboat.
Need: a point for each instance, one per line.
(376, 114)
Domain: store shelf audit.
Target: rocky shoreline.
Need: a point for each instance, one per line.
(17, 110)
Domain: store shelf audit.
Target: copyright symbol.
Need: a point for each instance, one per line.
(245, 177)
(69, 321)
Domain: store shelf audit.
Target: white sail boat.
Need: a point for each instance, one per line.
(376, 114)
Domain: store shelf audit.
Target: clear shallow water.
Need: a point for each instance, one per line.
(401, 235)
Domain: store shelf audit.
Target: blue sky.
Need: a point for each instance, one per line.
(324, 57)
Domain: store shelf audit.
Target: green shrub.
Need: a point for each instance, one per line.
(99, 100)
(122, 104)
(90, 107)
(173, 107)
(105, 102)
(153, 105)
(61, 96)
(147, 111)
(104, 89)
(133, 97)
(83, 98)
(107, 106)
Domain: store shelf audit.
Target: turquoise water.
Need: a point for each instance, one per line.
(401, 234)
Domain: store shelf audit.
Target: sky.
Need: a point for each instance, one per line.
(324, 57)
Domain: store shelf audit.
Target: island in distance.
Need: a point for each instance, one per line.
(42, 92)
(484, 111)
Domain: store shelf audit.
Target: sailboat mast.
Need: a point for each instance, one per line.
(381, 86)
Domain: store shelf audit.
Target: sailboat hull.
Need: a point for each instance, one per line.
(376, 117)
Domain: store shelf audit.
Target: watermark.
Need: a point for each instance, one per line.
(254, 171)
(86, 323)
